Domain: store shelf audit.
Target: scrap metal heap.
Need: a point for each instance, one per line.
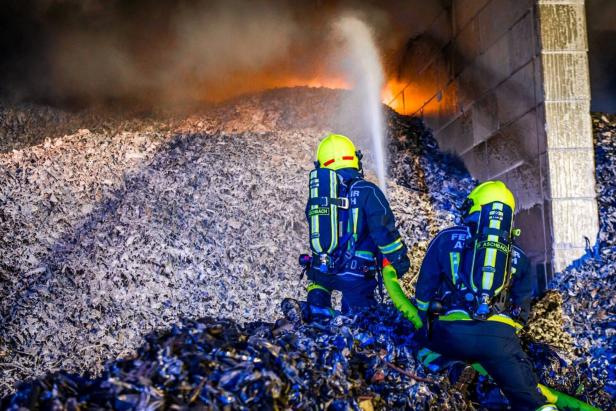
(128, 227)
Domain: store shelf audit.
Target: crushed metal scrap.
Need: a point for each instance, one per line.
(220, 364)
(361, 362)
(110, 241)
(119, 228)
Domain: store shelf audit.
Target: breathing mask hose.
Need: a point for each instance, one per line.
(401, 302)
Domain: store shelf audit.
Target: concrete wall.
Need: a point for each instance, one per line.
(504, 84)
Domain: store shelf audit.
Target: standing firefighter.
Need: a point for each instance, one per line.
(476, 284)
(352, 234)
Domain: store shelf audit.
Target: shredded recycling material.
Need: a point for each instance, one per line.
(604, 126)
(218, 363)
(120, 232)
(109, 233)
(577, 319)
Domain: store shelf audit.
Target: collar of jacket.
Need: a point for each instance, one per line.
(348, 173)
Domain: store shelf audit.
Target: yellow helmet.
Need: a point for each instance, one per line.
(486, 193)
(337, 151)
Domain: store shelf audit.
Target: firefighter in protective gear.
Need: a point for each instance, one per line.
(370, 237)
(455, 332)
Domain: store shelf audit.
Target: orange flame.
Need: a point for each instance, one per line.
(335, 83)
(411, 98)
(391, 95)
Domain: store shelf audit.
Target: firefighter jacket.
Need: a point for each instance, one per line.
(446, 267)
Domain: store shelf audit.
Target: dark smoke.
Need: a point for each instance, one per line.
(157, 51)
(83, 51)
(87, 50)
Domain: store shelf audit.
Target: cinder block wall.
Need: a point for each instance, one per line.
(568, 131)
(504, 84)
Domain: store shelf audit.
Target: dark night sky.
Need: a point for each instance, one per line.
(601, 22)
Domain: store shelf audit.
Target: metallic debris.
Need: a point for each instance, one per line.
(220, 364)
(119, 228)
(116, 232)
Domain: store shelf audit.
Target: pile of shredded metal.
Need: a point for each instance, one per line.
(553, 353)
(588, 286)
(365, 361)
(110, 232)
(121, 231)
(571, 334)
(360, 362)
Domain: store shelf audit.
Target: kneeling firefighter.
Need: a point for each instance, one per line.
(477, 287)
(352, 234)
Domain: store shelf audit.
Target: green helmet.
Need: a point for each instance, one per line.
(486, 193)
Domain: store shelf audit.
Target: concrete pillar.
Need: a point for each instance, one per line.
(569, 153)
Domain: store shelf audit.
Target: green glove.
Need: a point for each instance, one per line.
(408, 310)
(562, 400)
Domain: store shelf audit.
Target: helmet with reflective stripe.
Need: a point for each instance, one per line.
(337, 151)
(486, 193)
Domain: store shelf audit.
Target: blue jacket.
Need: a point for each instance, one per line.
(372, 222)
(447, 259)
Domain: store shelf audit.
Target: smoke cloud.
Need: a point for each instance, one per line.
(152, 50)
(203, 52)
(168, 51)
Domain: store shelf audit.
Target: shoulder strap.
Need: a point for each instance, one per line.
(351, 222)
(347, 222)
(345, 217)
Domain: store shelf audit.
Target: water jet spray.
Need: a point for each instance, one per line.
(366, 73)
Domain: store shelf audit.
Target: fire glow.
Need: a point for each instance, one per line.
(390, 94)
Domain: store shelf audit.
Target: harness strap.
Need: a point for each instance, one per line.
(351, 216)
(456, 286)
(347, 240)
(341, 202)
(496, 231)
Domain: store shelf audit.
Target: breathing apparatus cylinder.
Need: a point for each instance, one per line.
(488, 211)
(491, 253)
